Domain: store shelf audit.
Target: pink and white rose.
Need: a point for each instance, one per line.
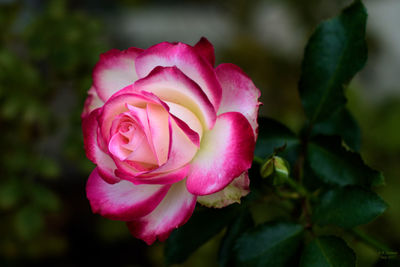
(166, 130)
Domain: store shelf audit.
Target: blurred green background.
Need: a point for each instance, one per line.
(47, 52)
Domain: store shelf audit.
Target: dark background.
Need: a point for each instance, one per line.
(47, 52)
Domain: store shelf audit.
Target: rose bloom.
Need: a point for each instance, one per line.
(166, 130)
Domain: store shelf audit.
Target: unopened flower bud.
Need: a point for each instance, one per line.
(276, 167)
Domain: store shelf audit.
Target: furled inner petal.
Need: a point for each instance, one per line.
(116, 106)
(130, 143)
(171, 85)
(159, 131)
(187, 116)
(181, 151)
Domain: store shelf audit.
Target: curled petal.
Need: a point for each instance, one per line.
(172, 86)
(174, 211)
(142, 153)
(123, 200)
(206, 50)
(239, 94)
(232, 193)
(93, 151)
(181, 151)
(114, 71)
(192, 135)
(155, 177)
(187, 121)
(120, 104)
(186, 59)
(159, 130)
(226, 152)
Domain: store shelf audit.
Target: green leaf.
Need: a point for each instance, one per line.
(270, 244)
(348, 207)
(274, 135)
(328, 251)
(240, 225)
(333, 164)
(334, 54)
(342, 124)
(202, 226)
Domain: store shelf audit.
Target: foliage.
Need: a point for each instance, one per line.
(329, 181)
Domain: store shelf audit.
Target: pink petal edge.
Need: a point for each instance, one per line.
(114, 71)
(206, 50)
(174, 211)
(226, 152)
(123, 200)
(186, 59)
(94, 153)
(239, 94)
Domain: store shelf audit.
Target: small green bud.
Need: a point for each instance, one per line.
(281, 167)
(267, 168)
(276, 166)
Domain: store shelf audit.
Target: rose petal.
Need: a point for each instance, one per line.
(187, 121)
(174, 211)
(117, 105)
(185, 115)
(92, 102)
(114, 71)
(181, 151)
(185, 58)
(172, 86)
(192, 135)
(92, 149)
(159, 129)
(154, 121)
(226, 152)
(155, 177)
(232, 193)
(239, 94)
(142, 153)
(123, 201)
(206, 50)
